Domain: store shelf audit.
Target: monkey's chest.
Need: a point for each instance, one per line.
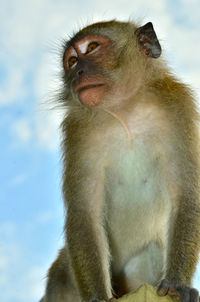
(137, 197)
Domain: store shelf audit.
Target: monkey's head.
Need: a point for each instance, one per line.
(106, 62)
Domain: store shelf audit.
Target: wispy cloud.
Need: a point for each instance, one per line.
(19, 179)
(34, 25)
(47, 129)
(21, 279)
(22, 130)
(31, 35)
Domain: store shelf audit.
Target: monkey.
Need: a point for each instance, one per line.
(130, 169)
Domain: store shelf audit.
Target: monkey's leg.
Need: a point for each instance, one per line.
(86, 236)
(145, 267)
(61, 286)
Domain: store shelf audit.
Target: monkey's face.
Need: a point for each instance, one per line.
(87, 63)
(105, 62)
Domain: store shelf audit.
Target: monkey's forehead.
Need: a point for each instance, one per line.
(111, 29)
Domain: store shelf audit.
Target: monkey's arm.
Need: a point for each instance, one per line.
(185, 244)
(183, 256)
(184, 232)
(86, 238)
(183, 251)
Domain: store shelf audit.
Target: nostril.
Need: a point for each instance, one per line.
(80, 72)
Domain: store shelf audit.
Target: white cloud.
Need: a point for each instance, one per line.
(35, 25)
(47, 79)
(196, 280)
(20, 280)
(19, 179)
(3, 265)
(23, 286)
(27, 30)
(10, 89)
(40, 129)
(7, 229)
(22, 129)
(45, 217)
(47, 129)
(31, 284)
(30, 40)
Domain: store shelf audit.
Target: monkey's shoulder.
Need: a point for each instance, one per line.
(174, 94)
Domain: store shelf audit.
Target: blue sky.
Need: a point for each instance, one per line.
(31, 216)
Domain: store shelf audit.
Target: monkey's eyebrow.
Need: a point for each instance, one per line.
(70, 52)
(73, 52)
(83, 46)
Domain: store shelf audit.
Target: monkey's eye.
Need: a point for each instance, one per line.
(92, 47)
(72, 61)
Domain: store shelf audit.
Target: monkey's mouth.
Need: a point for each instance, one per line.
(80, 88)
(90, 94)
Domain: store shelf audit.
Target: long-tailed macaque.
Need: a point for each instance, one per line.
(131, 169)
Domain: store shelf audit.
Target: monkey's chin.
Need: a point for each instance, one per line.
(91, 96)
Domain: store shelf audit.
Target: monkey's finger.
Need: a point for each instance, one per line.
(163, 288)
(188, 294)
(185, 296)
(194, 295)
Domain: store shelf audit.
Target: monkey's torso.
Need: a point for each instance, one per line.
(137, 214)
(138, 191)
(138, 197)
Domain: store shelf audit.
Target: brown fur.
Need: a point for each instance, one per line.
(149, 117)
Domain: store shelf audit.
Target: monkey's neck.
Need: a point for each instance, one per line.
(126, 128)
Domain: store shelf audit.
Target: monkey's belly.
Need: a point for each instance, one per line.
(138, 202)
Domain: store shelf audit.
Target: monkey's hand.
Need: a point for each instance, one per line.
(186, 293)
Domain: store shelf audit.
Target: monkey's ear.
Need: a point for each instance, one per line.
(148, 40)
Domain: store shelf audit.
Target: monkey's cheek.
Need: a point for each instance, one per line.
(91, 97)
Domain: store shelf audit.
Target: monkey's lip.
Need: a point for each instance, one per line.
(79, 88)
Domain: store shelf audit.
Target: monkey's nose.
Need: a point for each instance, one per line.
(80, 72)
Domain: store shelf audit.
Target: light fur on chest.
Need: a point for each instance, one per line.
(139, 184)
